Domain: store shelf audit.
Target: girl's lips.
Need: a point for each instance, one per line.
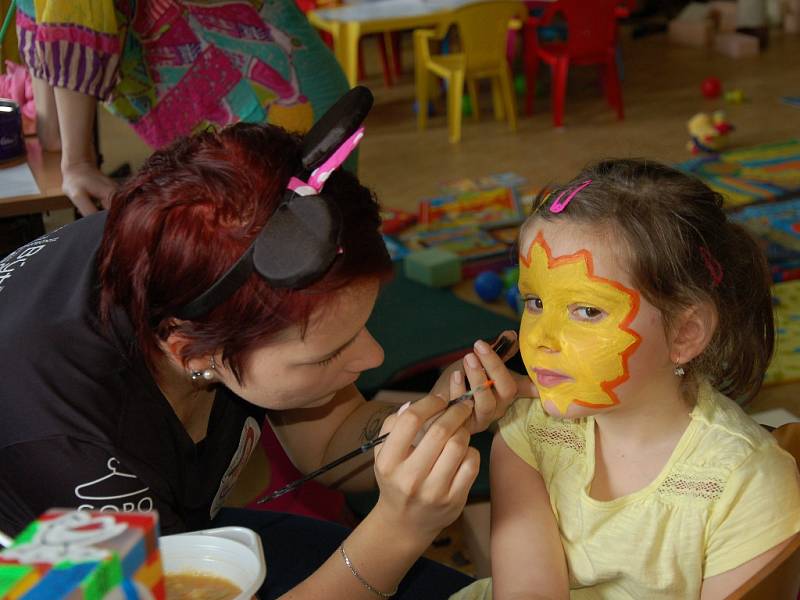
(547, 378)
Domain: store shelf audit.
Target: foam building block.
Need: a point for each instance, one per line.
(476, 523)
(736, 45)
(693, 26)
(81, 555)
(724, 13)
(433, 267)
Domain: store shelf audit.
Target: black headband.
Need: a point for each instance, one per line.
(300, 240)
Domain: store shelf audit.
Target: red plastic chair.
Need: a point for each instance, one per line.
(591, 39)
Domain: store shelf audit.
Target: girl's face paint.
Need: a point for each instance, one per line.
(575, 337)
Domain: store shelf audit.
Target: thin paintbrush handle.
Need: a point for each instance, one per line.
(298, 482)
(358, 451)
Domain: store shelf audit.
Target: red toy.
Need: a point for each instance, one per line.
(711, 87)
(394, 220)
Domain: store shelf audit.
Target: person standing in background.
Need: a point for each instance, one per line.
(169, 68)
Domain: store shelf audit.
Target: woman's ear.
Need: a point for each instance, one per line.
(172, 347)
(692, 332)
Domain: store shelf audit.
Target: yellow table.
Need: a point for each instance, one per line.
(347, 24)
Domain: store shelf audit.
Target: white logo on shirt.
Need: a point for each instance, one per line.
(247, 443)
(17, 259)
(84, 492)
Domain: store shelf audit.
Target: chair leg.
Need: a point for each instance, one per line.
(497, 99)
(385, 62)
(531, 65)
(511, 45)
(397, 53)
(507, 90)
(454, 93)
(421, 78)
(362, 72)
(472, 87)
(614, 89)
(560, 71)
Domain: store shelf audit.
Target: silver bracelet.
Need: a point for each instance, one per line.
(363, 581)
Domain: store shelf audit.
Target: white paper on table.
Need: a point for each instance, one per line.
(17, 181)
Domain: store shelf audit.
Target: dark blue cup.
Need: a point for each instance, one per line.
(12, 144)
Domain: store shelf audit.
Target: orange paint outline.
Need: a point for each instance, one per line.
(586, 256)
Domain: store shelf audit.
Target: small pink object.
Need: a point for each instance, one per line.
(713, 266)
(16, 85)
(320, 175)
(559, 204)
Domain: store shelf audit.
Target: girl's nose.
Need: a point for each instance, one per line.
(547, 337)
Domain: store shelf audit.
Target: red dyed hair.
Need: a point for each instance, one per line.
(190, 212)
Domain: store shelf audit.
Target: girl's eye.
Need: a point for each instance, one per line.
(533, 304)
(588, 313)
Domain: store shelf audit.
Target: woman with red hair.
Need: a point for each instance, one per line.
(146, 346)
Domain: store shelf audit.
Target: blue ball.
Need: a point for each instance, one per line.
(514, 299)
(488, 286)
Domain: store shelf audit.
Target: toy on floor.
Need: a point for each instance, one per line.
(394, 220)
(791, 100)
(734, 96)
(510, 277)
(514, 299)
(433, 267)
(466, 105)
(489, 286)
(711, 87)
(708, 132)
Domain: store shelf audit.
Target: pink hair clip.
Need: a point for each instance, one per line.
(713, 266)
(559, 205)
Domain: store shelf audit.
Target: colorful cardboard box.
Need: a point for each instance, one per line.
(84, 555)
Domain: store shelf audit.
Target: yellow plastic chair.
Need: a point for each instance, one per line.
(483, 30)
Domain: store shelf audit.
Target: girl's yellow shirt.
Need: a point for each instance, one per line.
(727, 494)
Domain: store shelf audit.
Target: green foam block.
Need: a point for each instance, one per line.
(433, 267)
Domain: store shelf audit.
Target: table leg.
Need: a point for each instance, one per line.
(350, 33)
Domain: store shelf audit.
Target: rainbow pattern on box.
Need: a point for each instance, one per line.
(82, 555)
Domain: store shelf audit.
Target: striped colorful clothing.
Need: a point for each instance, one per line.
(172, 67)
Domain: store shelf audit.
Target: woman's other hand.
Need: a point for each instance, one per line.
(424, 483)
(84, 184)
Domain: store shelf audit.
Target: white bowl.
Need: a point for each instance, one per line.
(233, 553)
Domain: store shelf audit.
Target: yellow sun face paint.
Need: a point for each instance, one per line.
(574, 336)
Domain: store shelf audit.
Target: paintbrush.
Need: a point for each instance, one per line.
(360, 450)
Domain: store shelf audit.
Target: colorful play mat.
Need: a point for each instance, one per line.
(751, 175)
(785, 365)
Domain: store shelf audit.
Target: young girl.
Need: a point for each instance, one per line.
(635, 475)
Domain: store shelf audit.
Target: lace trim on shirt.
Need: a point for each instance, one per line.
(681, 484)
(562, 437)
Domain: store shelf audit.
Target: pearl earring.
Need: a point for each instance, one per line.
(207, 374)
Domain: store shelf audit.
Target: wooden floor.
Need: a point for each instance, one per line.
(661, 90)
